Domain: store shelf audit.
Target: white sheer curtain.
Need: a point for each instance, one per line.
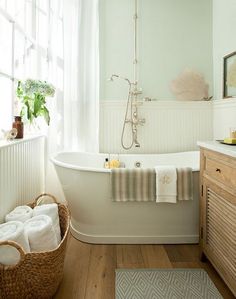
(75, 111)
(74, 70)
(81, 75)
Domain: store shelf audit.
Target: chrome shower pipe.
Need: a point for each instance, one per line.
(134, 106)
(132, 98)
(135, 61)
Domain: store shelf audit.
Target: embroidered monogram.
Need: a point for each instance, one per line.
(165, 179)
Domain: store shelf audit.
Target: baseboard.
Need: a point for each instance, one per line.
(106, 239)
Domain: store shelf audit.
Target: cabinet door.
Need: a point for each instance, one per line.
(219, 230)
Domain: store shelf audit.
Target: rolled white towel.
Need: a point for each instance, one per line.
(20, 213)
(12, 231)
(40, 233)
(50, 210)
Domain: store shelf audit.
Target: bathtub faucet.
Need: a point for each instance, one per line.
(137, 121)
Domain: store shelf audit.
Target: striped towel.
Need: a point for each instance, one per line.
(184, 183)
(133, 184)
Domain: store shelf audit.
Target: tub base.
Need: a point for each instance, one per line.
(106, 239)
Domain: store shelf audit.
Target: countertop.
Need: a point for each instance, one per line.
(229, 150)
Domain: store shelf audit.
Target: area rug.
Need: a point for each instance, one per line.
(165, 284)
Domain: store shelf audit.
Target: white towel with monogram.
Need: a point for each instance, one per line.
(12, 231)
(50, 210)
(166, 184)
(41, 233)
(20, 213)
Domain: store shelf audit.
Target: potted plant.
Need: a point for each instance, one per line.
(32, 94)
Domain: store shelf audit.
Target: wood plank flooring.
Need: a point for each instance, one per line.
(89, 271)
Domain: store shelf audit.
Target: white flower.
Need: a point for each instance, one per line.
(31, 87)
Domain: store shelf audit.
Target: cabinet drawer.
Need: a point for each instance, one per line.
(220, 170)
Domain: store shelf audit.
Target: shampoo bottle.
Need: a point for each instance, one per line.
(106, 163)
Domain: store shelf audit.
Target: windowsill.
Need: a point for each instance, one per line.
(5, 143)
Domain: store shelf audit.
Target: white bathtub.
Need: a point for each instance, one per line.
(96, 219)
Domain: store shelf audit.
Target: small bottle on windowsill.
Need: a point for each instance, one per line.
(18, 124)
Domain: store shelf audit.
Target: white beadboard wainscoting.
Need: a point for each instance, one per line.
(171, 126)
(21, 172)
(224, 117)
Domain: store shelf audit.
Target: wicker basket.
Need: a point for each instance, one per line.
(37, 275)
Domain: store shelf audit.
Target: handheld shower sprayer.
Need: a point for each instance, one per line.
(119, 77)
(112, 77)
(133, 119)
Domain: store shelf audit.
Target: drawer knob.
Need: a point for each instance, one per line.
(218, 170)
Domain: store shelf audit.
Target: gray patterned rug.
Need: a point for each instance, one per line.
(165, 284)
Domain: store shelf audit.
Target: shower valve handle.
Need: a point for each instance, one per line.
(137, 103)
(140, 121)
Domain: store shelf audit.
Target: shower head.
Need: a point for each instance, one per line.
(119, 77)
(112, 77)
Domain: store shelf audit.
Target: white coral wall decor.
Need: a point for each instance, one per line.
(190, 86)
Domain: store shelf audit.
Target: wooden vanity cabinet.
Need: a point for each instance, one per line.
(218, 213)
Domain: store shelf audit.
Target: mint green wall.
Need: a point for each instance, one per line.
(172, 35)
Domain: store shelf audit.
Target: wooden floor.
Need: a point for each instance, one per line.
(90, 269)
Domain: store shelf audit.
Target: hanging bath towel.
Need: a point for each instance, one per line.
(133, 185)
(185, 183)
(166, 184)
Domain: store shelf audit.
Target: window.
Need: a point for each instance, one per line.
(31, 46)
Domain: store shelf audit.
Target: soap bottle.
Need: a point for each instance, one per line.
(18, 124)
(114, 163)
(106, 163)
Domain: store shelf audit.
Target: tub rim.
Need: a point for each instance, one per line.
(103, 170)
(75, 167)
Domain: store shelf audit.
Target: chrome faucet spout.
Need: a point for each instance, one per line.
(136, 143)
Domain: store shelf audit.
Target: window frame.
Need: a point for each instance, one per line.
(42, 52)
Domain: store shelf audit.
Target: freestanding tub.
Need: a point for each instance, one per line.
(96, 219)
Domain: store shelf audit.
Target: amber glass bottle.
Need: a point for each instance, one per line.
(18, 124)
